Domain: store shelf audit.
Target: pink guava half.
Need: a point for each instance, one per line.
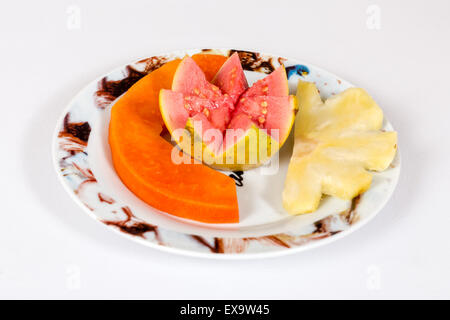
(227, 103)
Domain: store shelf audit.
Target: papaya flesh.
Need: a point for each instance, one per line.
(143, 159)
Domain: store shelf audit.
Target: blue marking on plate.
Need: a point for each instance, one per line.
(299, 69)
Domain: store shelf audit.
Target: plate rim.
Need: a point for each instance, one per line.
(208, 254)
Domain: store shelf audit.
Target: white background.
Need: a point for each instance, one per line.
(49, 248)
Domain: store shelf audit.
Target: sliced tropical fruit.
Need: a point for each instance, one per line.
(275, 84)
(231, 78)
(190, 80)
(143, 159)
(229, 150)
(270, 112)
(233, 133)
(336, 143)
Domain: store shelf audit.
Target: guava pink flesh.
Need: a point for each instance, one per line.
(199, 94)
(220, 117)
(190, 80)
(275, 84)
(231, 78)
(216, 140)
(217, 110)
(268, 113)
(240, 121)
(180, 107)
(188, 76)
(280, 113)
(172, 101)
(237, 127)
(226, 112)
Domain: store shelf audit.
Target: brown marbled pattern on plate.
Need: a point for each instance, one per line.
(73, 160)
(133, 226)
(109, 90)
(323, 229)
(74, 135)
(254, 61)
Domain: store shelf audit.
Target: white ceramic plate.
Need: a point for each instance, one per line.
(83, 163)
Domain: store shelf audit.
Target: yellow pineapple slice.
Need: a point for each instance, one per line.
(336, 143)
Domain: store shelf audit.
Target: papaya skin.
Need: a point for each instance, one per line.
(142, 158)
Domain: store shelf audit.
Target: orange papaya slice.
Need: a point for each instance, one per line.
(143, 159)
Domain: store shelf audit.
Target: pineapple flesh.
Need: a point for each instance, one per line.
(337, 143)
